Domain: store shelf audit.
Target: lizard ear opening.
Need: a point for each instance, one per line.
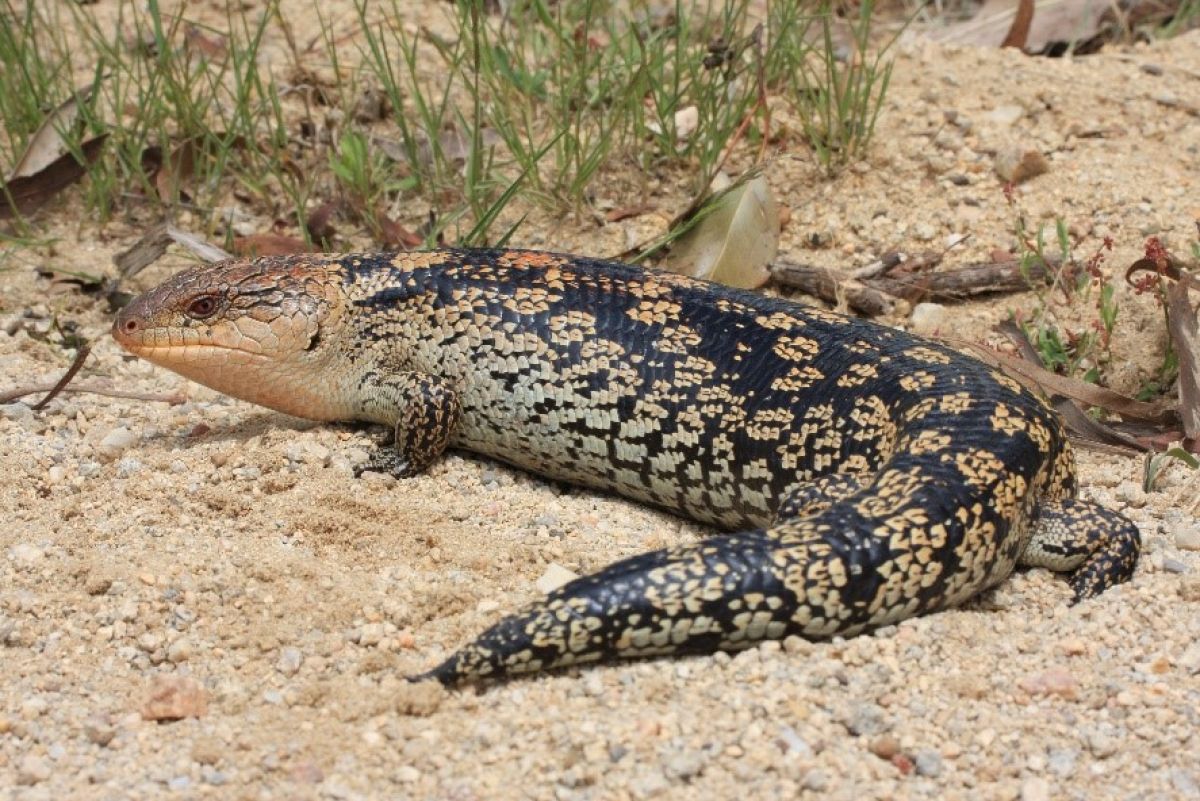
(313, 341)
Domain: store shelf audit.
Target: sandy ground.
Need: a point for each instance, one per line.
(221, 558)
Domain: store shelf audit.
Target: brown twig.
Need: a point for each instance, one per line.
(10, 395)
(963, 282)
(832, 287)
(875, 296)
(80, 357)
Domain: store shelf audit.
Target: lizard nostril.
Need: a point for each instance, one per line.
(130, 326)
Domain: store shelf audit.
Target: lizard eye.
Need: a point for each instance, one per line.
(202, 307)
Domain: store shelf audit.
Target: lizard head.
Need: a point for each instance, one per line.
(250, 329)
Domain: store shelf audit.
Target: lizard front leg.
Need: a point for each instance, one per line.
(423, 410)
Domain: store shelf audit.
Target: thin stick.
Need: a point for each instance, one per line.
(80, 357)
(175, 398)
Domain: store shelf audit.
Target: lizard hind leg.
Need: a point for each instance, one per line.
(816, 496)
(1097, 547)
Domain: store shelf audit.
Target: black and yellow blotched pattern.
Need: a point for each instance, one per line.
(868, 475)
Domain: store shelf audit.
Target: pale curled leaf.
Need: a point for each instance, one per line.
(47, 144)
(27, 194)
(154, 244)
(1185, 337)
(1052, 21)
(734, 242)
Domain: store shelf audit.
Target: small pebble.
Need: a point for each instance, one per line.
(290, 660)
(554, 576)
(1165, 97)
(1004, 116)
(1184, 784)
(924, 232)
(128, 466)
(116, 441)
(212, 776)
(815, 780)
(1187, 536)
(885, 746)
(1062, 762)
(98, 584)
(865, 718)
(795, 744)
(1052, 681)
(1035, 789)
(929, 763)
(180, 651)
(1100, 744)
(32, 769)
(370, 634)
(26, 553)
(173, 697)
(685, 765)
(1018, 164)
(1189, 660)
(928, 318)
(99, 730)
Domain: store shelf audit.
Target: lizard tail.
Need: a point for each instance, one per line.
(689, 599)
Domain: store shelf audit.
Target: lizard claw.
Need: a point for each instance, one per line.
(386, 461)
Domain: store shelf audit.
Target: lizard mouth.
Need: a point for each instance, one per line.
(195, 351)
(135, 336)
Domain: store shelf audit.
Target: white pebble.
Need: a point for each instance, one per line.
(116, 441)
(1035, 789)
(554, 577)
(180, 651)
(1005, 115)
(928, 318)
(290, 660)
(1187, 536)
(370, 634)
(128, 466)
(26, 553)
(33, 770)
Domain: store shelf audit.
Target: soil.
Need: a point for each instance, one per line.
(217, 563)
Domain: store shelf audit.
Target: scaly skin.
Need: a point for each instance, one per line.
(867, 475)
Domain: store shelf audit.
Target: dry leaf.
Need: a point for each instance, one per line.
(735, 241)
(179, 167)
(319, 225)
(210, 47)
(395, 235)
(1018, 34)
(150, 248)
(26, 195)
(625, 212)
(1185, 338)
(1053, 21)
(47, 145)
(257, 245)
